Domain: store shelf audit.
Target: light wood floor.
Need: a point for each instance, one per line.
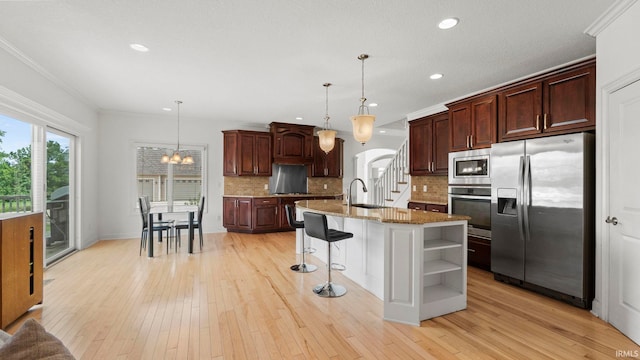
(237, 299)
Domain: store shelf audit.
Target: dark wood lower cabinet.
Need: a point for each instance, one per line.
(260, 214)
(415, 205)
(479, 252)
(237, 213)
(265, 214)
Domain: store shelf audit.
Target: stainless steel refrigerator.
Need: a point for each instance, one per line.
(542, 215)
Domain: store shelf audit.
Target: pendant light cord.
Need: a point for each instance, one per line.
(326, 116)
(178, 102)
(362, 108)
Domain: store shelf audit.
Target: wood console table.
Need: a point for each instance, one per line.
(21, 264)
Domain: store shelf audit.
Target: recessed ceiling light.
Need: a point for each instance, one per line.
(383, 131)
(448, 23)
(139, 47)
(166, 109)
(298, 118)
(436, 76)
(373, 104)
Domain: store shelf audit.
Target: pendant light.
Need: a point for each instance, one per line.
(176, 158)
(363, 122)
(326, 137)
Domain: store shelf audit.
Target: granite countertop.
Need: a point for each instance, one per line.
(282, 195)
(385, 215)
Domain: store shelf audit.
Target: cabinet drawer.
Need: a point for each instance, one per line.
(437, 208)
(265, 201)
(479, 253)
(416, 206)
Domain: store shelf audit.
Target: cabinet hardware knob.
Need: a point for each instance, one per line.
(471, 141)
(612, 220)
(545, 122)
(538, 122)
(435, 210)
(471, 250)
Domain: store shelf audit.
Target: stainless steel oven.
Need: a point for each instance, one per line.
(470, 167)
(475, 202)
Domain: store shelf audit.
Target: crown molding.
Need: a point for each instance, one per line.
(426, 112)
(609, 16)
(23, 58)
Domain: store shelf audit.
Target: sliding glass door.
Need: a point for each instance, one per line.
(59, 219)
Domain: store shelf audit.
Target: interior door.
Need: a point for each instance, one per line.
(624, 207)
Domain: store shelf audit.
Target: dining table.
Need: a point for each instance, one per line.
(161, 210)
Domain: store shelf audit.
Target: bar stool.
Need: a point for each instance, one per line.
(315, 225)
(303, 267)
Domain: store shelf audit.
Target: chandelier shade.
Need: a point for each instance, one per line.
(176, 158)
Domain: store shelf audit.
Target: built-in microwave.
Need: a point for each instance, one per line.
(469, 167)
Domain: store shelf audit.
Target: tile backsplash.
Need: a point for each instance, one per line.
(246, 185)
(255, 185)
(437, 189)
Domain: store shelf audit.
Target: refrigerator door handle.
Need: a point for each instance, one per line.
(526, 201)
(520, 198)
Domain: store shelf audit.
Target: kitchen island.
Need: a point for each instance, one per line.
(413, 260)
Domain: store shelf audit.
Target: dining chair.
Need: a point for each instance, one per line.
(197, 223)
(158, 226)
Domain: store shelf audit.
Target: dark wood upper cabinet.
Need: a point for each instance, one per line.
(473, 123)
(246, 153)
(559, 103)
(569, 100)
(292, 143)
(429, 145)
(327, 165)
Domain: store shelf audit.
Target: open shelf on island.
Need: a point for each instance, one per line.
(438, 244)
(438, 292)
(439, 266)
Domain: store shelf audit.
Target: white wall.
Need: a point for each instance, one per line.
(119, 131)
(352, 148)
(618, 56)
(119, 218)
(31, 96)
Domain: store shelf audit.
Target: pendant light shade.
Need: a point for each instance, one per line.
(327, 140)
(363, 122)
(363, 127)
(326, 136)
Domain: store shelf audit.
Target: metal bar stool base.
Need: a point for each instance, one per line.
(329, 290)
(303, 268)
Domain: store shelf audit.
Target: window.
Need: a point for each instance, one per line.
(15, 166)
(164, 183)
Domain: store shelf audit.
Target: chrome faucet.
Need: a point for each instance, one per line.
(364, 188)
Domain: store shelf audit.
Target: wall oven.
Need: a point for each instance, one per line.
(470, 189)
(475, 202)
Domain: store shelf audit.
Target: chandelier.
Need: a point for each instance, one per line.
(326, 137)
(176, 158)
(363, 122)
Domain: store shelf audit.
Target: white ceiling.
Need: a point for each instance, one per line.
(258, 61)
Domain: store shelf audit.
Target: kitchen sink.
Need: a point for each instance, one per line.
(369, 206)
